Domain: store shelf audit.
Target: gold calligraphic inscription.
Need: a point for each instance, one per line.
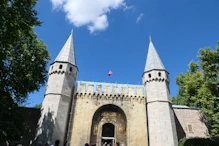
(95, 129)
(120, 129)
(108, 114)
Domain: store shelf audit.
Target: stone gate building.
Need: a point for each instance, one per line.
(79, 112)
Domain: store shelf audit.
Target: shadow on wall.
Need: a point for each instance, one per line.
(46, 129)
(180, 132)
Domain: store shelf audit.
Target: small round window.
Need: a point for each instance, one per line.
(60, 66)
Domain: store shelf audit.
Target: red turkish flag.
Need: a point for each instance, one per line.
(110, 73)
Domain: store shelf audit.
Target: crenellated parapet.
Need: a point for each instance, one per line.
(110, 90)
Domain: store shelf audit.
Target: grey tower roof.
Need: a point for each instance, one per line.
(67, 54)
(153, 60)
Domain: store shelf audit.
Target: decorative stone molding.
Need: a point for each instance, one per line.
(155, 76)
(156, 80)
(109, 97)
(61, 72)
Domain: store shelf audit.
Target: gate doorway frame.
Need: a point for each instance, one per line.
(113, 139)
(96, 130)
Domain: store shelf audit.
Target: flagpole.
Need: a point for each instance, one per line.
(110, 77)
(109, 74)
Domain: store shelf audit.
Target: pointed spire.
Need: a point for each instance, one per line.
(153, 60)
(67, 53)
(150, 39)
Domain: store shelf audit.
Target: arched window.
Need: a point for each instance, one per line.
(149, 75)
(60, 66)
(52, 68)
(159, 74)
(70, 69)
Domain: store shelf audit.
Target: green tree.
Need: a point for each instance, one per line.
(199, 86)
(37, 106)
(178, 100)
(23, 60)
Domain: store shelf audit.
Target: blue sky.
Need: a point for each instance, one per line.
(114, 35)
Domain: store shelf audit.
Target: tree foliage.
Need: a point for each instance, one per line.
(199, 86)
(23, 60)
(178, 100)
(198, 142)
(37, 106)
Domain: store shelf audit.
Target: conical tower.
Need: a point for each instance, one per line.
(153, 60)
(58, 96)
(161, 123)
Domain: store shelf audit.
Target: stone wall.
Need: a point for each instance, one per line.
(189, 122)
(92, 96)
(161, 122)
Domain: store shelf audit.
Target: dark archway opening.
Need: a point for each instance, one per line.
(108, 130)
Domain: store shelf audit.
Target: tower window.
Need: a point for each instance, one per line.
(60, 66)
(70, 69)
(159, 74)
(52, 68)
(149, 75)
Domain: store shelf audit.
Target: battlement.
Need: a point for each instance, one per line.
(110, 88)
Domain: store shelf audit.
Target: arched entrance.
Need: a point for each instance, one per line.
(108, 126)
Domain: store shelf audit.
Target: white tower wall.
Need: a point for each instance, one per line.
(161, 123)
(55, 109)
(56, 103)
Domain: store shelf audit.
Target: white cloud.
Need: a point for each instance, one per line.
(139, 17)
(90, 13)
(128, 7)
